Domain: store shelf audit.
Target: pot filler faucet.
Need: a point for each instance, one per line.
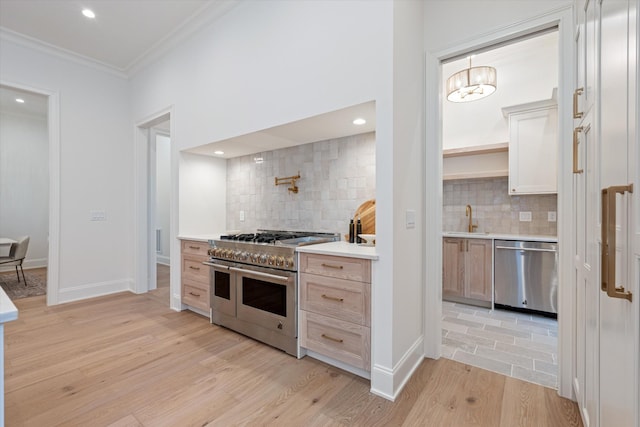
(469, 213)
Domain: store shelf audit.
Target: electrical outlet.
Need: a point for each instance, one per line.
(551, 216)
(97, 215)
(525, 216)
(241, 215)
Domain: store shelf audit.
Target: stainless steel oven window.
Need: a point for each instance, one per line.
(222, 285)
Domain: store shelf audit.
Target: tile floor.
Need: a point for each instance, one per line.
(515, 344)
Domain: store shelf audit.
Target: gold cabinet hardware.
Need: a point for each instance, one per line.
(577, 114)
(195, 247)
(325, 336)
(608, 230)
(194, 268)
(332, 298)
(338, 267)
(576, 141)
(195, 295)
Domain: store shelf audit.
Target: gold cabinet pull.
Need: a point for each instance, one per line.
(195, 295)
(608, 230)
(577, 114)
(325, 336)
(194, 268)
(195, 247)
(332, 298)
(337, 267)
(576, 141)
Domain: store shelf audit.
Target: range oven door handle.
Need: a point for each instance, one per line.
(259, 274)
(217, 266)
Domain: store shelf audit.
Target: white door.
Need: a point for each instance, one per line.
(617, 146)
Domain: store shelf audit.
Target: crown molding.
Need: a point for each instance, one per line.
(205, 15)
(49, 49)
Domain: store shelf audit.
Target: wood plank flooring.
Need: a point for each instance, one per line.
(128, 360)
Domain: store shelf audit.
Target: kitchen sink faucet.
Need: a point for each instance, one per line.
(469, 213)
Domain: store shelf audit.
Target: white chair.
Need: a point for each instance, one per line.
(17, 254)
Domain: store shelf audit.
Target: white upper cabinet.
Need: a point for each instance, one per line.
(533, 146)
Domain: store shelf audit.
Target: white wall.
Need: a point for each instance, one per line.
(202, 194)
(96, 167)
(24, 183)
(163, 193)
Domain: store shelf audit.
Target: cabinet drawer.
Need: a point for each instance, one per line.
(192, 247)
(336, 266)
(342, 299)
(193, 269)
(195, 295)
(340, 340)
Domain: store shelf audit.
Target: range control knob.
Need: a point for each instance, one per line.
(254, 258)
(280, 261)
(263, 259)
(272, 260)
(288, 262)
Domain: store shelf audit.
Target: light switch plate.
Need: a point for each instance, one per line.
(551, 216)
(410, 219)
(525, 216)
(241, 215)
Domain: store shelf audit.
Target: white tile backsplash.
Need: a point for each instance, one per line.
(337, 176)
(494, 210)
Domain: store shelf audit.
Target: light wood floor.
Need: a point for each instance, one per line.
(128, 360)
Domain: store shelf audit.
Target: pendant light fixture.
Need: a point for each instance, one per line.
(472, 83)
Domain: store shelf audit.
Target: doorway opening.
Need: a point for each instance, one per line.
(25, 159)
(482, 199)
(154, 216)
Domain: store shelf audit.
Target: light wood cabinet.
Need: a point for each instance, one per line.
(335, 308)
(466, 269)
(194, 275)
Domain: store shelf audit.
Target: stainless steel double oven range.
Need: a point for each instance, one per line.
(254, 284)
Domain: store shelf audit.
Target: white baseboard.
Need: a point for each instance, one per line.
(27, 264)
(163, 259)
(388, 383)
(92, 290)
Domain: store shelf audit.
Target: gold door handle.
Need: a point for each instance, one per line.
(338, 267)
(577, 114)
(332, 298)
(576, 141)
(608, 230)
(330, 338)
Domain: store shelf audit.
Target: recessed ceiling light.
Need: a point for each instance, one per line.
(218, 152)
(359, 121)
(88, 13)
(20, 100)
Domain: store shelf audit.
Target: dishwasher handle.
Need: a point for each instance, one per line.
(525, 249)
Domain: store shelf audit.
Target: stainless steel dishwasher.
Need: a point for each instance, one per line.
(526, 275)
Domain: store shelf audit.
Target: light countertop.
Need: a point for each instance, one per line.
(500, 236)
(199, 237)
(341, 249)
(8, 311)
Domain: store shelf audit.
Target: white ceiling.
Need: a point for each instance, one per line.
(123, 33)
